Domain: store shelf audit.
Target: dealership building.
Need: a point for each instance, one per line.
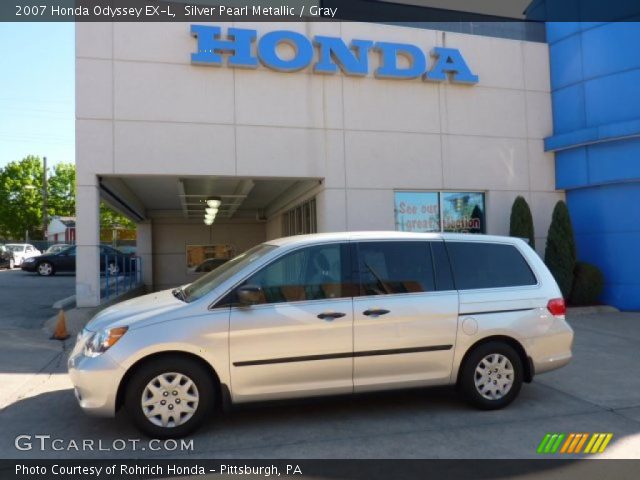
(290, 128)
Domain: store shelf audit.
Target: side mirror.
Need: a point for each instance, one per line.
(249, 295)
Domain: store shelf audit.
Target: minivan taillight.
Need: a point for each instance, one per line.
(557, 307)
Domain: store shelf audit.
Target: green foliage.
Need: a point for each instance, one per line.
(588, 284)
(62, 190)
(521, 223)
(21, 198)
(109, 218)
(560, 254)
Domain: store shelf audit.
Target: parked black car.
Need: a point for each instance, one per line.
(65, 261)
(6, 257)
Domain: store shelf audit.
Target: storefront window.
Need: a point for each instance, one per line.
(300, 220)
(417, 212)
(462, 212)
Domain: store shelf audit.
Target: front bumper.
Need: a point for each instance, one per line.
(95, 381)
(27, 266)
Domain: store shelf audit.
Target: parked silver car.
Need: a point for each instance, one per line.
(328, 314)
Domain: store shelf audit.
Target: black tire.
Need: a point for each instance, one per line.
(136, 386)
(45, 269)
(467, 379)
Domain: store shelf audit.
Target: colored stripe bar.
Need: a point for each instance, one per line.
(550, 443)
(575, 442)
(591, 442)
(543, 443)
(596, 446)
(567, 443)
(556, 445)
(582, 441)
(606, 442)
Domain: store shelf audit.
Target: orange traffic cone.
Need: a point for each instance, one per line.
(60, 333)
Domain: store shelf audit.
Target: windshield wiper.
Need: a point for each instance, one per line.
(179, 294)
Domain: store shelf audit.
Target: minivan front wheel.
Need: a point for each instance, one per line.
(170, 397)
(492, 376)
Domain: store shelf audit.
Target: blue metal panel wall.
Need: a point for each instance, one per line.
(595, 81)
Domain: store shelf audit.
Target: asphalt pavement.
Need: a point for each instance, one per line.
(598, 392)
(26, 298)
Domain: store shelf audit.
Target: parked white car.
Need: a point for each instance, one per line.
(328, 314)
(22, 251)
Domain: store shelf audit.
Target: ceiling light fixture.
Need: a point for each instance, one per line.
(211, 211)
(208, 221)
(213, 202)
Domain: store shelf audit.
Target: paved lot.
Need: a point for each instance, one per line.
(26, 298)
(598, 392)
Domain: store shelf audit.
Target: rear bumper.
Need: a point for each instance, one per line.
(553, 350)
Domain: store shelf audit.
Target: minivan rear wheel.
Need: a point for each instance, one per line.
(170, 397)
(491, 376)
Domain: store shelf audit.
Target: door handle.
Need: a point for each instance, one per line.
(375, 312)
(330, 315)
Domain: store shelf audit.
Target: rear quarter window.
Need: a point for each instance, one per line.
(488, 265)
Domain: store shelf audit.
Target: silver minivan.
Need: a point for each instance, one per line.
(328, 314)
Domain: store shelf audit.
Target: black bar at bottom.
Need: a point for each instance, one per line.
(534, 469)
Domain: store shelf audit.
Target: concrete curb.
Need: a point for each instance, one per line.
(64, 303)
(78, 317)
(591, 310)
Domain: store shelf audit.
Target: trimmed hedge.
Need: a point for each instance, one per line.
(521, 221)
(588, 284)
(560, 253)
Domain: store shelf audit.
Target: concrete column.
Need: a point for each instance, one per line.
(144, 249)
(88, 244)
(331, 210)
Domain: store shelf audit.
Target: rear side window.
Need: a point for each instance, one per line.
(488, 265)
(395, 267)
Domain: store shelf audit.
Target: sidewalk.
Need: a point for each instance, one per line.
(28, 360)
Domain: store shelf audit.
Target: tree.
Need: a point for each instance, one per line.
(21, 198)
(521, 223)
(560, 253)
(110, 218)
(62, 190)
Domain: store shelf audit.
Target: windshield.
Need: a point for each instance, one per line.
(211, 280)
(15, 248)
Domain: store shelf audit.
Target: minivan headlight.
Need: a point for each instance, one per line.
(101, 341)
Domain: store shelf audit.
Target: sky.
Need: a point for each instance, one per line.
(37, 90)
